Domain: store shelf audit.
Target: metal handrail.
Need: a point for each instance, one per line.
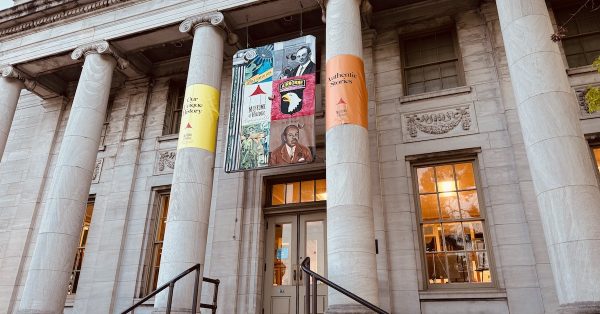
(171, 286)
(305, 266)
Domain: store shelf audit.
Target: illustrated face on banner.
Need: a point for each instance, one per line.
(271, 121)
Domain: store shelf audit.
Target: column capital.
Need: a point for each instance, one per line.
(216, 19)
(8, 71)
(99, 47)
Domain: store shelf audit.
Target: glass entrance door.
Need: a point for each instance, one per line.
(290, 239)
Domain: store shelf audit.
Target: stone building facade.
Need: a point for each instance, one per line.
(477, 176)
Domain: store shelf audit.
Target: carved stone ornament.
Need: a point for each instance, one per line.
(9, 71)
(438, 123)
(99, 47)
(97, 171)
(216, 19)
(584, 109)
(165, 162)
(59, 16)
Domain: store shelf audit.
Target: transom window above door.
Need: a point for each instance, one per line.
(297, 191)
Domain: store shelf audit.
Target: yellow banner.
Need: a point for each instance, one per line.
(200, 115)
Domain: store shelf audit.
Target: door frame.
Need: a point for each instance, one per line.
(297, 211)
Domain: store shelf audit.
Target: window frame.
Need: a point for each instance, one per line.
(592, 146)
(156, 206)
(91, 200)
(460, 72)
(290, 178)
(175, 91)
(563, 7)
(483, 218)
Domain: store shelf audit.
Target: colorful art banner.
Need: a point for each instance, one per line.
(271, 122)
(346, 97)
(200, 115)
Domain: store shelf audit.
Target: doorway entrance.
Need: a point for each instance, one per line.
(291, 238)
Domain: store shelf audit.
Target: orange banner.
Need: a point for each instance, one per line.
(346, 92)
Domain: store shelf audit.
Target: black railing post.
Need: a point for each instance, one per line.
(215, 296)
(307, 288)
(196, 282)
(314, 295)
(170, 299)
(345, 292)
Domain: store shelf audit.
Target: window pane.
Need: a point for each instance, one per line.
(449, 205)
(321, 189)
(436, 268)
(292, 193)
(278, 194)
(479, 266)
(469, 204)
(448, 69)
(431, 86)
(429, 207)
(465, 178)
(445, 178)
(282, 258)
(414, 75)
(433, 237)
(449, 82)
(416, 88)
(308, 191)
(162, 219)
(446, 52)
(458, 270)
(577, 60)
(453, 237)
(426, 180)
(315, 245)
(432, 72)
(474, 235)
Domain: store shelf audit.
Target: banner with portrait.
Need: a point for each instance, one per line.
(271, 122)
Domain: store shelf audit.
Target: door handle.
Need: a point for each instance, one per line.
(294, 275)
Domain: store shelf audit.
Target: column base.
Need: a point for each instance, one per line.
(592, 307)
(348, 309)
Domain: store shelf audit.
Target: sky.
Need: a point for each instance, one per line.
(5, 4)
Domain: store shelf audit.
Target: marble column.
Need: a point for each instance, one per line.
(11, 84)
(57, 239)
(350, 224)
(561, 167)
(191, 191)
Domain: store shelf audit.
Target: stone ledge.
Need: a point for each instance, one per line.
(444, 92)
(470, 294)
(168, 137)
(581, 70)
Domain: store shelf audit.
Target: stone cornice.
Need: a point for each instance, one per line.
(216, 19)
(59, 16)
(9, 71)
(99, 47)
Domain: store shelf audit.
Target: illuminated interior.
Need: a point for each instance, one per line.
(453, 233)
(87, 220)
(159, 236)
(298, 192)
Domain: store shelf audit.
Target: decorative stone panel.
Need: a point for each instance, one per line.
(165, 162)
(584, 112)
(439, 123)
(97, 171)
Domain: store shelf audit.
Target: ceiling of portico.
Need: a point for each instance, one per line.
(166, 50)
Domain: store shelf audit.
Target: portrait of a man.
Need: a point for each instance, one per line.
(290, 151)
(305, 64)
